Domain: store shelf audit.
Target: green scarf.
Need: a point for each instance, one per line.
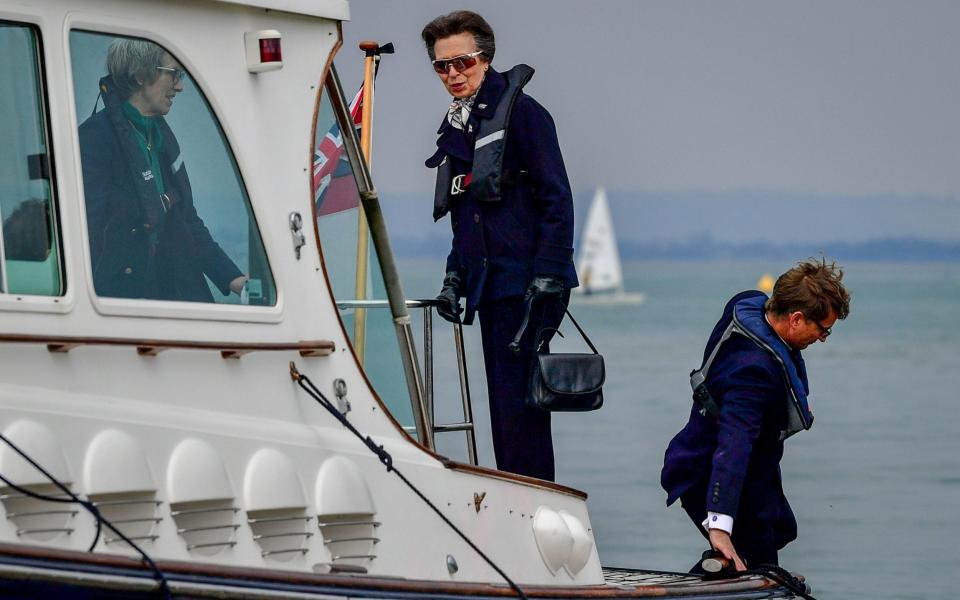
(149, 138)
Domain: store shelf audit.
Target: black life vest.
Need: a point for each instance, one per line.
(486, 175)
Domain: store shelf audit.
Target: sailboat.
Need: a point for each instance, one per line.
(598, 263)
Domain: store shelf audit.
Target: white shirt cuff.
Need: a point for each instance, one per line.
(718, 521)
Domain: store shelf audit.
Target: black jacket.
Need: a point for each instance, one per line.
(138, 249)
(498, 246)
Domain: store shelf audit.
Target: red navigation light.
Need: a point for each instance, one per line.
(270, 50)
(262, 49)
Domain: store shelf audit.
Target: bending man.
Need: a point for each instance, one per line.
(749, 396)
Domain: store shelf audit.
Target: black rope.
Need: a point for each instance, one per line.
(781, 576)
(304, 382)
(72, 498)
(84, 503)
(775, 573)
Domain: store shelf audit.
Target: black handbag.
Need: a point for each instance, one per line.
(568, 382)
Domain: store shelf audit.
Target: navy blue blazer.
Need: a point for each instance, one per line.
(732, 465)
(132, 257)
(499, 246)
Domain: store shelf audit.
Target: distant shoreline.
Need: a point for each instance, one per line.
(880, 250)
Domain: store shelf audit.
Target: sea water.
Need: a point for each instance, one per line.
(875, 484)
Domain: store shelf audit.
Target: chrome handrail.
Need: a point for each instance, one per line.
(381, 244)
(427, 305)
(423, 303)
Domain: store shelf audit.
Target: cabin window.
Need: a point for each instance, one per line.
(155, 231)
(353, 272)
(30, 250)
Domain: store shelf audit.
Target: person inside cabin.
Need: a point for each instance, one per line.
(750, 394)
(501, 178)
(146, 239)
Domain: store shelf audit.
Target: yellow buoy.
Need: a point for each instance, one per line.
(765, 283)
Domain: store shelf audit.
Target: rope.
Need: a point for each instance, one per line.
(775, 573)
(304, 382)
(781, 576)
(89, 507)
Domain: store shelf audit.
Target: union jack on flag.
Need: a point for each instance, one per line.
(330, 164)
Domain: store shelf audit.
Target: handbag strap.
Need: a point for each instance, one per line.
(582, 332)
(577, 325)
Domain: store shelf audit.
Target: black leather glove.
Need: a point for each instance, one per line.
(448, 300)
(543, 286)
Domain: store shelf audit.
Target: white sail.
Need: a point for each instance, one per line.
(598, 265)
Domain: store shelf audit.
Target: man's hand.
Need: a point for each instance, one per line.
(543, 285)
(448, 300)
(721, 542)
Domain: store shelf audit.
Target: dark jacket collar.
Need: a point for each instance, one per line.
(458, 143)
(488, 96)
(491, 90)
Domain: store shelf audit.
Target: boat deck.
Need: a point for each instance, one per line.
(32, 572)
(643, 583)
(630, 578)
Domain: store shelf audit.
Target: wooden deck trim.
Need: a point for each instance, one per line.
(145, 347)
(512, 477)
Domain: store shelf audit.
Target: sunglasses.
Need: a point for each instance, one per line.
(177, 74)
(824, 331)
(460, 63)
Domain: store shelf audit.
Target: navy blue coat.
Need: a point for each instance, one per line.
(499, 246)
(732, 465)
(132, 257)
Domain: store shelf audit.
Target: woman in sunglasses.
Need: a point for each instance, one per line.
(500, 176)
(146, 239)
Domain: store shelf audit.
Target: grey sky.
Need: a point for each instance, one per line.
(832, 99)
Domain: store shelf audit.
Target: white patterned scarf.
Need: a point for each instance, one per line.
(459, 111)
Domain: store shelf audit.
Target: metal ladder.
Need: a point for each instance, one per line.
(466, 425)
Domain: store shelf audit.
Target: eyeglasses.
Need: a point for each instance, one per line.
(824, 331)
(177, 74)
(460, 63)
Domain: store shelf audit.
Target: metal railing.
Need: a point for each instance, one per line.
(466, 425)
(381, 244)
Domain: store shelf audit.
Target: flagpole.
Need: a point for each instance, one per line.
(363, 253)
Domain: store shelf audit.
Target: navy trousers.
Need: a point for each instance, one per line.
(522, 440)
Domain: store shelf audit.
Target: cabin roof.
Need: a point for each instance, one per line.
(328, 9)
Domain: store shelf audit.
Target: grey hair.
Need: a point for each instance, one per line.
(133, 63)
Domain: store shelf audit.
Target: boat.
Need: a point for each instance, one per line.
(598, 260)
(239, 445)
